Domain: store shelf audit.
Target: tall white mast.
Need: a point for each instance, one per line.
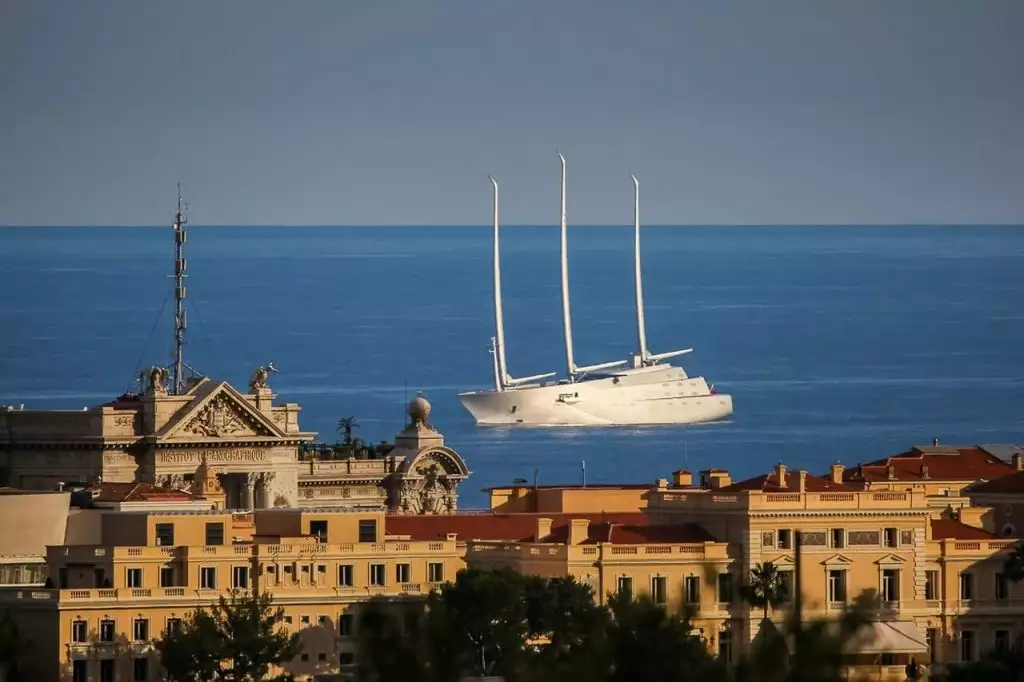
(573, 370)
(502, 379)
(639, 284)
(645, 358)
(499, 322)
(570, 363)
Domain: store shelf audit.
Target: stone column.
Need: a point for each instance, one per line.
(250, 491)
(266, 496)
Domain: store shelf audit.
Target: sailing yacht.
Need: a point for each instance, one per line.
(646, 391)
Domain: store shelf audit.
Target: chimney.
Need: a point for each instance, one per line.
(837, 472)
(891, 469)
(682, 478)
(543, 528)
(715, 478)
(803, 480)
(1018, 461)
(924, 472)
(780, 474)
(579, 531)
(662, 484)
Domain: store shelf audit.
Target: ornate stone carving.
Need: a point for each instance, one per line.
(157, 377)
(259, 377)
(172, 481)
(219, 418)
(428, 488)
(266, 478)
(419, 412)
(251, 479)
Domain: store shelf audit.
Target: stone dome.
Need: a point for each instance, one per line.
(419, 409)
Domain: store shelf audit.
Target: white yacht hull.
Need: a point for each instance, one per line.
(661, 394)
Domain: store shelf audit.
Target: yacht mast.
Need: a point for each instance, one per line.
(573, 370)
(639, 284)
(570, 363)
(645, 358)
(499, 322)
(180, 321)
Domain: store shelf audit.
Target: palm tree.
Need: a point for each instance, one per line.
(766, 587)
(346, 425)
(1013, 567)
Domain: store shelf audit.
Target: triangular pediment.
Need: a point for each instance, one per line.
(783, 560)
(223, 413)
(890, 560)
(837, 560)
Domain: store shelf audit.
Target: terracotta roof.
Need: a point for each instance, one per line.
(768, 483)
(625, 528)
(137, 492)
(572, 486)
(1014, 483)
(941, 463)
(948, 529)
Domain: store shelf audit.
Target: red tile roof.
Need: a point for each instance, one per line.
(948, 529)
(572, 486)
(941, 463)
(137, 492)
(624, 528)
(1012, 484)
(768, 483)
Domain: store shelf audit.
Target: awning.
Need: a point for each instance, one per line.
(887, 637)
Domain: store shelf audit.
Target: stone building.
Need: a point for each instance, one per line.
(255, 447)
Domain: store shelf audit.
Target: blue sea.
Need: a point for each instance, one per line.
(837, 343)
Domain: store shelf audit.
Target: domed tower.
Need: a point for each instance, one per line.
(206, 485)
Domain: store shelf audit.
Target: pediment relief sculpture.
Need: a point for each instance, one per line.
(222, 417)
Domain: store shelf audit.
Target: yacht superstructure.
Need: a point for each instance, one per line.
(610, 393)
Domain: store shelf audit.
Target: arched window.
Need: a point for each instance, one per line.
(1009, 531)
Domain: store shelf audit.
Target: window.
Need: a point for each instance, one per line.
(140, 670)
(377, 576)
(62, 577)
(367, 530)
(346, 658)
(725, 646)
(318, 529)
(625, 585)
(932, 638)
(346, 625)
(106, 670)
(240, 577)
(725, 588)
(659, 589)
(215, 533)
(692, 589)
(837, 586)
(931, 585)
(435, 572)
(107, 630)
(165, 534)
(786, 578)
(208, 578)
(321, 656)
(891, 537)
(166, 576)
(134, 577)
(966, 645)
(303, 620)
(79, 671)
(838, 538)
(345, 577)
(78, 631)
(785, 538)
(890, 585)
(140, 629)
(323, 621)
(173, 625)
(966, 587)
(1002, 586)
(402, 573)
(1002, 640)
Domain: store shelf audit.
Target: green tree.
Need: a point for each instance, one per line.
(647, 643)
(387, 652)
(765, 588)
(563, 615)
(1013, 567)
(345, 426)
(239, 640)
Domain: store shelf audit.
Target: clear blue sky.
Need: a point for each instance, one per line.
(394, 112)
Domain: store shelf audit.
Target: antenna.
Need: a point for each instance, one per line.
(180, 321)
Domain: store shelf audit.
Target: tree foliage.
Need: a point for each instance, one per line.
(238, 640)
(765, 588)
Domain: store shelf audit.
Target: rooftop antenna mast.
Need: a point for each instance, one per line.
(180, 321)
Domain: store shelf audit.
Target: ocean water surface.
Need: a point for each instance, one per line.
(837, 343)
